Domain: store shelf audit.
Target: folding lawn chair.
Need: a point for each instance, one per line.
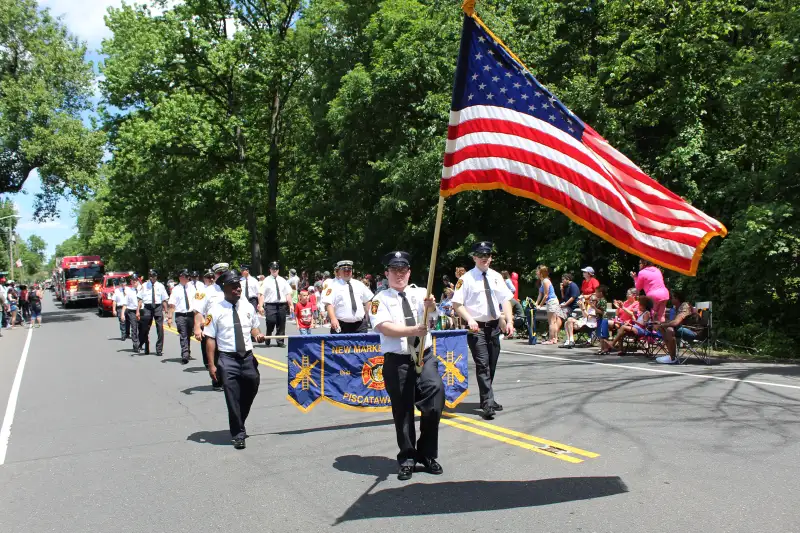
(694, 340)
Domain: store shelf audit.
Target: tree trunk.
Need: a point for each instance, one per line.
(255, 243)
(272, 202)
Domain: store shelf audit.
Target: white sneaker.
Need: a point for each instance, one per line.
(665, 360)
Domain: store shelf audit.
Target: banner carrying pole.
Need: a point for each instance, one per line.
(419, 356)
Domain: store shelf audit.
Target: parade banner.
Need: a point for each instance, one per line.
(347, 370)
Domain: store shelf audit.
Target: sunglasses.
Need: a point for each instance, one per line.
(400, 271)
(346, 269)
(483, 256)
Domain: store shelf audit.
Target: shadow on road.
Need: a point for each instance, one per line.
(473, 496)
(379, 467)
(196, 369)
(198, 388)
(221, 437)
(172, 360)
(74, 315)
(358, 425)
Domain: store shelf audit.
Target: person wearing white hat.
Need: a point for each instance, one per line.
(590, 283)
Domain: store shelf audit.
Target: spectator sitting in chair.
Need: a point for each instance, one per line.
(519, 318)
(637, 327)
(675, 328)
(626, 311)
(569, 300)
(590, 283)
(591, 308)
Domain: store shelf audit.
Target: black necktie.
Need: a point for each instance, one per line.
(277, 289)
(246, 288)
(153, 286)
(488, 292)
(409, 316)
(186, 297)
(237, 333)
(353, 299)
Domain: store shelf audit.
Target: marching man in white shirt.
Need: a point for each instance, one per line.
(274, 302)
(130, 310)
(346, 301)
(181, 302)
(397, 315)
(118, 310)
(152, 306)
(236, 368)
(212, 295)
(480, 298)
(250, 287)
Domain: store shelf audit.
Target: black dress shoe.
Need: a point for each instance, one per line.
(432, 467)
(405, 472)
(239, 444)
(159, 354)
(280, 345)
(185, 361)
(497, 407)
(488, 413)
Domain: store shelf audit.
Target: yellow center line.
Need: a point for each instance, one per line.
(463, 421)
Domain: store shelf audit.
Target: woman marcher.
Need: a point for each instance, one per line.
(24, 306)
(13, 307)
(651, 281)
(548, 300)
(35, 300)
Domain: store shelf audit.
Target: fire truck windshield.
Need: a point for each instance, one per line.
(89, 272)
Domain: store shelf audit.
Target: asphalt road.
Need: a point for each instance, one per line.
(105, 442)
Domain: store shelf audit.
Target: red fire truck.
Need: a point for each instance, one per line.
(80, 278)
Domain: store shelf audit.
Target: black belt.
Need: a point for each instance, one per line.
(152, 306)
(489, 324)
(187, 313)
(356, 321)
(234, 355)
(398, 354)
(275, 303)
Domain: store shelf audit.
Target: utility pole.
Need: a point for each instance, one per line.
(11, 246)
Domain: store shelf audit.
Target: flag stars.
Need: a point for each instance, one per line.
(487, 68)
(474, 77)
(551, 118)
(508, 74)
(482, 86)
(539, 94)
(489, 96)
(517, 85)
(495, 79)
(481, 39)
(511, 101)
(503, 90)
(524, 96)
(470, 97)
(479, 56)
(531, 108)
(529, 82)
(571, 129)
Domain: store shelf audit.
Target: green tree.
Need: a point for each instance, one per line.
(44, 86)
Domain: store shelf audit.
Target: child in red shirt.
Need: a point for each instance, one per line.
(304, 313)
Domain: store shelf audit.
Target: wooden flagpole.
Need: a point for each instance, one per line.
(418, 357)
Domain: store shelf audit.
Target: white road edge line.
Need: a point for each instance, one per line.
(657, 370)
(8, 419)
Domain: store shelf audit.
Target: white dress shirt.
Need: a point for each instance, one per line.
(146, 293)
(178, 299)
(119, 296)
(471, 293)
(338, 295)
(249, 287)
(268, 290)
(208, 299)
(220, 325)
(131, 298)
(387, 306)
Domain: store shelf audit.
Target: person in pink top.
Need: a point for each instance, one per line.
(651, 281)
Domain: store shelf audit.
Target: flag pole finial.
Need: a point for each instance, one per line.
(468, 6)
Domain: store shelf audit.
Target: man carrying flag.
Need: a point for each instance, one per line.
(508, 132)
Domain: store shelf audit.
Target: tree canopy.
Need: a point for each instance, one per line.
(314, 131)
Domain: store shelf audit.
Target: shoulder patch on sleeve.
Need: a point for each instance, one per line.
(208, 319)
(328, 292)
(375, 305)
(459, 284)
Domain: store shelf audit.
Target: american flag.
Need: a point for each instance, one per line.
(508, 132)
